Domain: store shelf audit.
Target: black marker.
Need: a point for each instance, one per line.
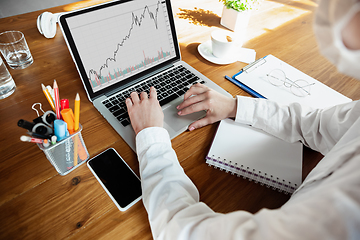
(25, 124)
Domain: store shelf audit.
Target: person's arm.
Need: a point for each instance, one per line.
(174, 210)
(166, 190)
(320, 129)
(172, 200)
(168, 194)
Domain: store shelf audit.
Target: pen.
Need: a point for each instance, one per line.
(37, 135)
(31, 139)
(244, 87)
(56, 94)
(26, 124)
(53, 139)
(64, 104)
(46, 143)
(48, 96)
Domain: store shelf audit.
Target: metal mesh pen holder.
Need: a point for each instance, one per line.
(68, 154)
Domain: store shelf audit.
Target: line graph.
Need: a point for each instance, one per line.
(122, 40)
(135, 21)
(100, 79)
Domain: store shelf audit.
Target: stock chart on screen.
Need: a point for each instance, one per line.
(122, 40)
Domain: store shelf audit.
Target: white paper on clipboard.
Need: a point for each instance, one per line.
(255, 77)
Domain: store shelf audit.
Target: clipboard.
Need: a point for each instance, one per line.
(253, 80)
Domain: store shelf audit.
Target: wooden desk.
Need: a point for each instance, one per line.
(37, 203)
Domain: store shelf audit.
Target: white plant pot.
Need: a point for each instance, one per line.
(234, 20)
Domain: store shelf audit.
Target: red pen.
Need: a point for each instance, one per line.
(64, 104)
(57, 103)
(31, 139)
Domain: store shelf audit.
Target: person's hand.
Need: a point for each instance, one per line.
(217, 106)
(144, 112)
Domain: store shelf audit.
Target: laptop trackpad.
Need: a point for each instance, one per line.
(179, 123)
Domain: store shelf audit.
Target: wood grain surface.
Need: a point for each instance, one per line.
(38, 203)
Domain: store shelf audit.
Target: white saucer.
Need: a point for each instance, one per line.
(206, 52)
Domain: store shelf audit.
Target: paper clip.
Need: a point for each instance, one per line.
(33, 107)
(44, 122)
(47, 118)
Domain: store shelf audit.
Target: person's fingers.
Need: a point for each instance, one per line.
(143, 96)
(194, 99)
(153, 93)
(135, 97)
(195, 89)
(196, 107)
(128, 103)
(199, 123)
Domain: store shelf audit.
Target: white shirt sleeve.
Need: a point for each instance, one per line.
(319, 129)
(172, 200)
(168, 194)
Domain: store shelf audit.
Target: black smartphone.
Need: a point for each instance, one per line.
(117, 178)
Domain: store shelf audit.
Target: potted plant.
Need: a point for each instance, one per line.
(236, 13)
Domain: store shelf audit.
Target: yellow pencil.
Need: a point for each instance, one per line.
(76, 127)
(77, 112)
(48, 96)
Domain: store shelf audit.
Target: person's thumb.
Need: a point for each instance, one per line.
(199, 123)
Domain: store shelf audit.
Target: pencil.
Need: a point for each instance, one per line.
(76, 127)
(48, 96)
(77, 112)
(57, 103)
(51, 91)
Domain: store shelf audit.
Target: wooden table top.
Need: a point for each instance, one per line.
(38, 203)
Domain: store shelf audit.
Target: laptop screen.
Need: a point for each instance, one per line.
(116, 43)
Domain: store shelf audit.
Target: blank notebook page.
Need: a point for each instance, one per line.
(237, 144)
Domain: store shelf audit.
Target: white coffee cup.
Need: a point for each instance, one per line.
(223, 43)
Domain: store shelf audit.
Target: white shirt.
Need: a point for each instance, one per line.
(325, 206)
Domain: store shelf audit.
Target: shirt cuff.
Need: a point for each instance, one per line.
(148, 136)
(245, 109)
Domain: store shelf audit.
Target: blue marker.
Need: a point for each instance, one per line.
(60, 129)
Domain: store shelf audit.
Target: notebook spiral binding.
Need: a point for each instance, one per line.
(252, 175)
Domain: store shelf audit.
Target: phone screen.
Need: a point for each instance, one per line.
(117, 178)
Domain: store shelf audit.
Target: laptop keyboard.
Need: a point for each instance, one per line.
(169, 86)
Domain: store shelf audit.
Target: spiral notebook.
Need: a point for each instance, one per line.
(256, 155)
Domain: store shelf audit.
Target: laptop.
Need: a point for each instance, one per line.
(129, 45)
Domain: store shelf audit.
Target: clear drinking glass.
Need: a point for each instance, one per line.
(7, 84)
(15, 50)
